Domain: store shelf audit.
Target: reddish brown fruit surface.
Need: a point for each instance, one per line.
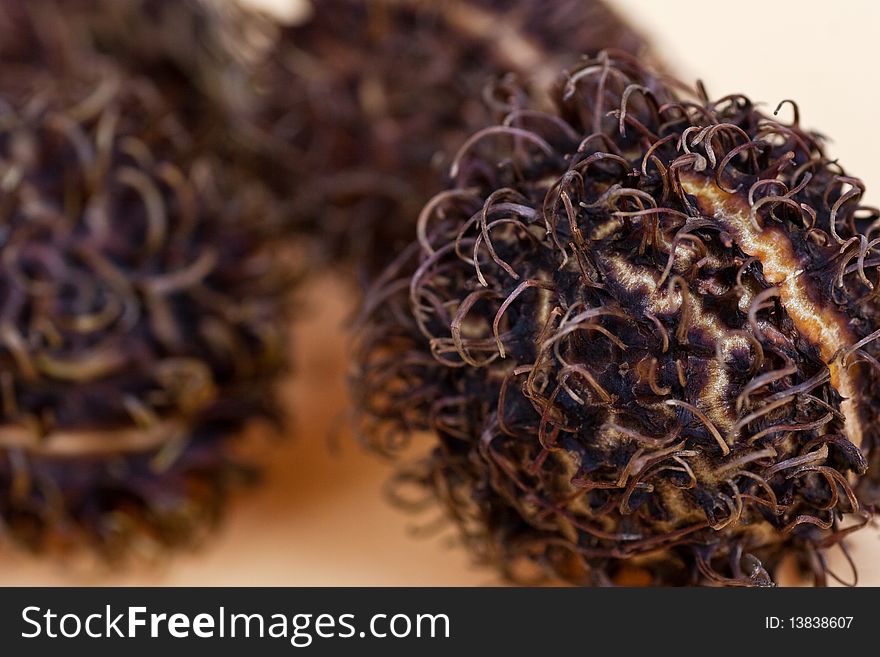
(642, 331)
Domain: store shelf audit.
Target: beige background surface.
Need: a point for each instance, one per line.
(321, 519)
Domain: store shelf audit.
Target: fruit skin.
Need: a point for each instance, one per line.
(628, 326)
(143, 311)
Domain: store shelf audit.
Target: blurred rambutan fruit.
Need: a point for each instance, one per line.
(142, 314)
(641, 330)
(359, 105)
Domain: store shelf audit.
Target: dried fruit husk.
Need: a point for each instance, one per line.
(641, 330)
(142, 314)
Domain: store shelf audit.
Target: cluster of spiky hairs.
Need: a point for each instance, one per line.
(640, 329)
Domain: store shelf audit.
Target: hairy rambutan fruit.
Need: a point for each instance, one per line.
(358, 101)
(641, 329)
(141, 315)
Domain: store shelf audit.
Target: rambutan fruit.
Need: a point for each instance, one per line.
(358, 105)
(142, 314)
(641, 330)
